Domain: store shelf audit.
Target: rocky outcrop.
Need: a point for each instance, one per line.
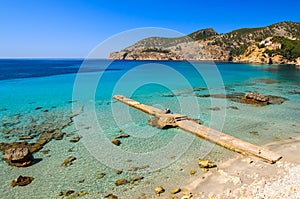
(19, 157)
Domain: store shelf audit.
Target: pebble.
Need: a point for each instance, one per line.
(159, 190)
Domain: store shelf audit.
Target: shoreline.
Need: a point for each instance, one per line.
(204, 61)
(243, 177)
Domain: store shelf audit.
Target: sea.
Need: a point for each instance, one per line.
(76, 97)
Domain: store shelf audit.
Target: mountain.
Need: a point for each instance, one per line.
(277, 43)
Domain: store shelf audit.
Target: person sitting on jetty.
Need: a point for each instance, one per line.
(168, 111)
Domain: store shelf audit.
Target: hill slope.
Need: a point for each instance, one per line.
(254, 45)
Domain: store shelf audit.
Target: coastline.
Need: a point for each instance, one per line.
(206, 61)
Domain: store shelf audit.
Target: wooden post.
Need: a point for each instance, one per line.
(222, 139)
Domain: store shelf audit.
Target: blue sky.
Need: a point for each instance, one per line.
(72, 28)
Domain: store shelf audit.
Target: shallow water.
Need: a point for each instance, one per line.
(50, 90)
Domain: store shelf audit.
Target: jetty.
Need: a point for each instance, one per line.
(192, 126)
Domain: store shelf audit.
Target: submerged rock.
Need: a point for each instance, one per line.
(19, 157)
(75, 139)
(22, 181)
(121, 181)
(25, 137)
(118, 172)
(206, 164)
(111, 196)
(215, 108)
(123, 135)
(116, 142)
(100, 175)
(136, 178)
(67, 162)
(135, 168)
(68, 192)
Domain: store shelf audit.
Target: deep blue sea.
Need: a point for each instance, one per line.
(35, 91)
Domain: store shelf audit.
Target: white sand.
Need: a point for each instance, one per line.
(242, 177)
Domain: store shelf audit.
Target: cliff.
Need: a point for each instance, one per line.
(270, 44)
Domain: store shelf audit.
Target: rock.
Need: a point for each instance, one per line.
(79, 194)
(186, 192)
(233, 107)
(193, 172)
(159, 190)
(46, 151)
(111, 196)
(118, 172)
(255, 98)
(22, 181)
(38, 108)
(174, 191)
(121, 181)
(123, 135)
(19, 157)
(254, 132)
(68, 192)
(116, 142)
(206, 164)
(25, 137)
(136, 178)
(135, 168)
(75, 139)
(215, 108)
(100, 175)
(67, 162)
(80, 180)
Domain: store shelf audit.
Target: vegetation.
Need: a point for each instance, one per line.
(290, 49)
(155, 50)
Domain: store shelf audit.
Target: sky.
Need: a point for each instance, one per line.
(73, 28)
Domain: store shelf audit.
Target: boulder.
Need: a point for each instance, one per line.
(19, 157)
(22, 181)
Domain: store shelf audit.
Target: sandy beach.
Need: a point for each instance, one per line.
(243, 177)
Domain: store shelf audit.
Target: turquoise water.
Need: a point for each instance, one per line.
(34, 91)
